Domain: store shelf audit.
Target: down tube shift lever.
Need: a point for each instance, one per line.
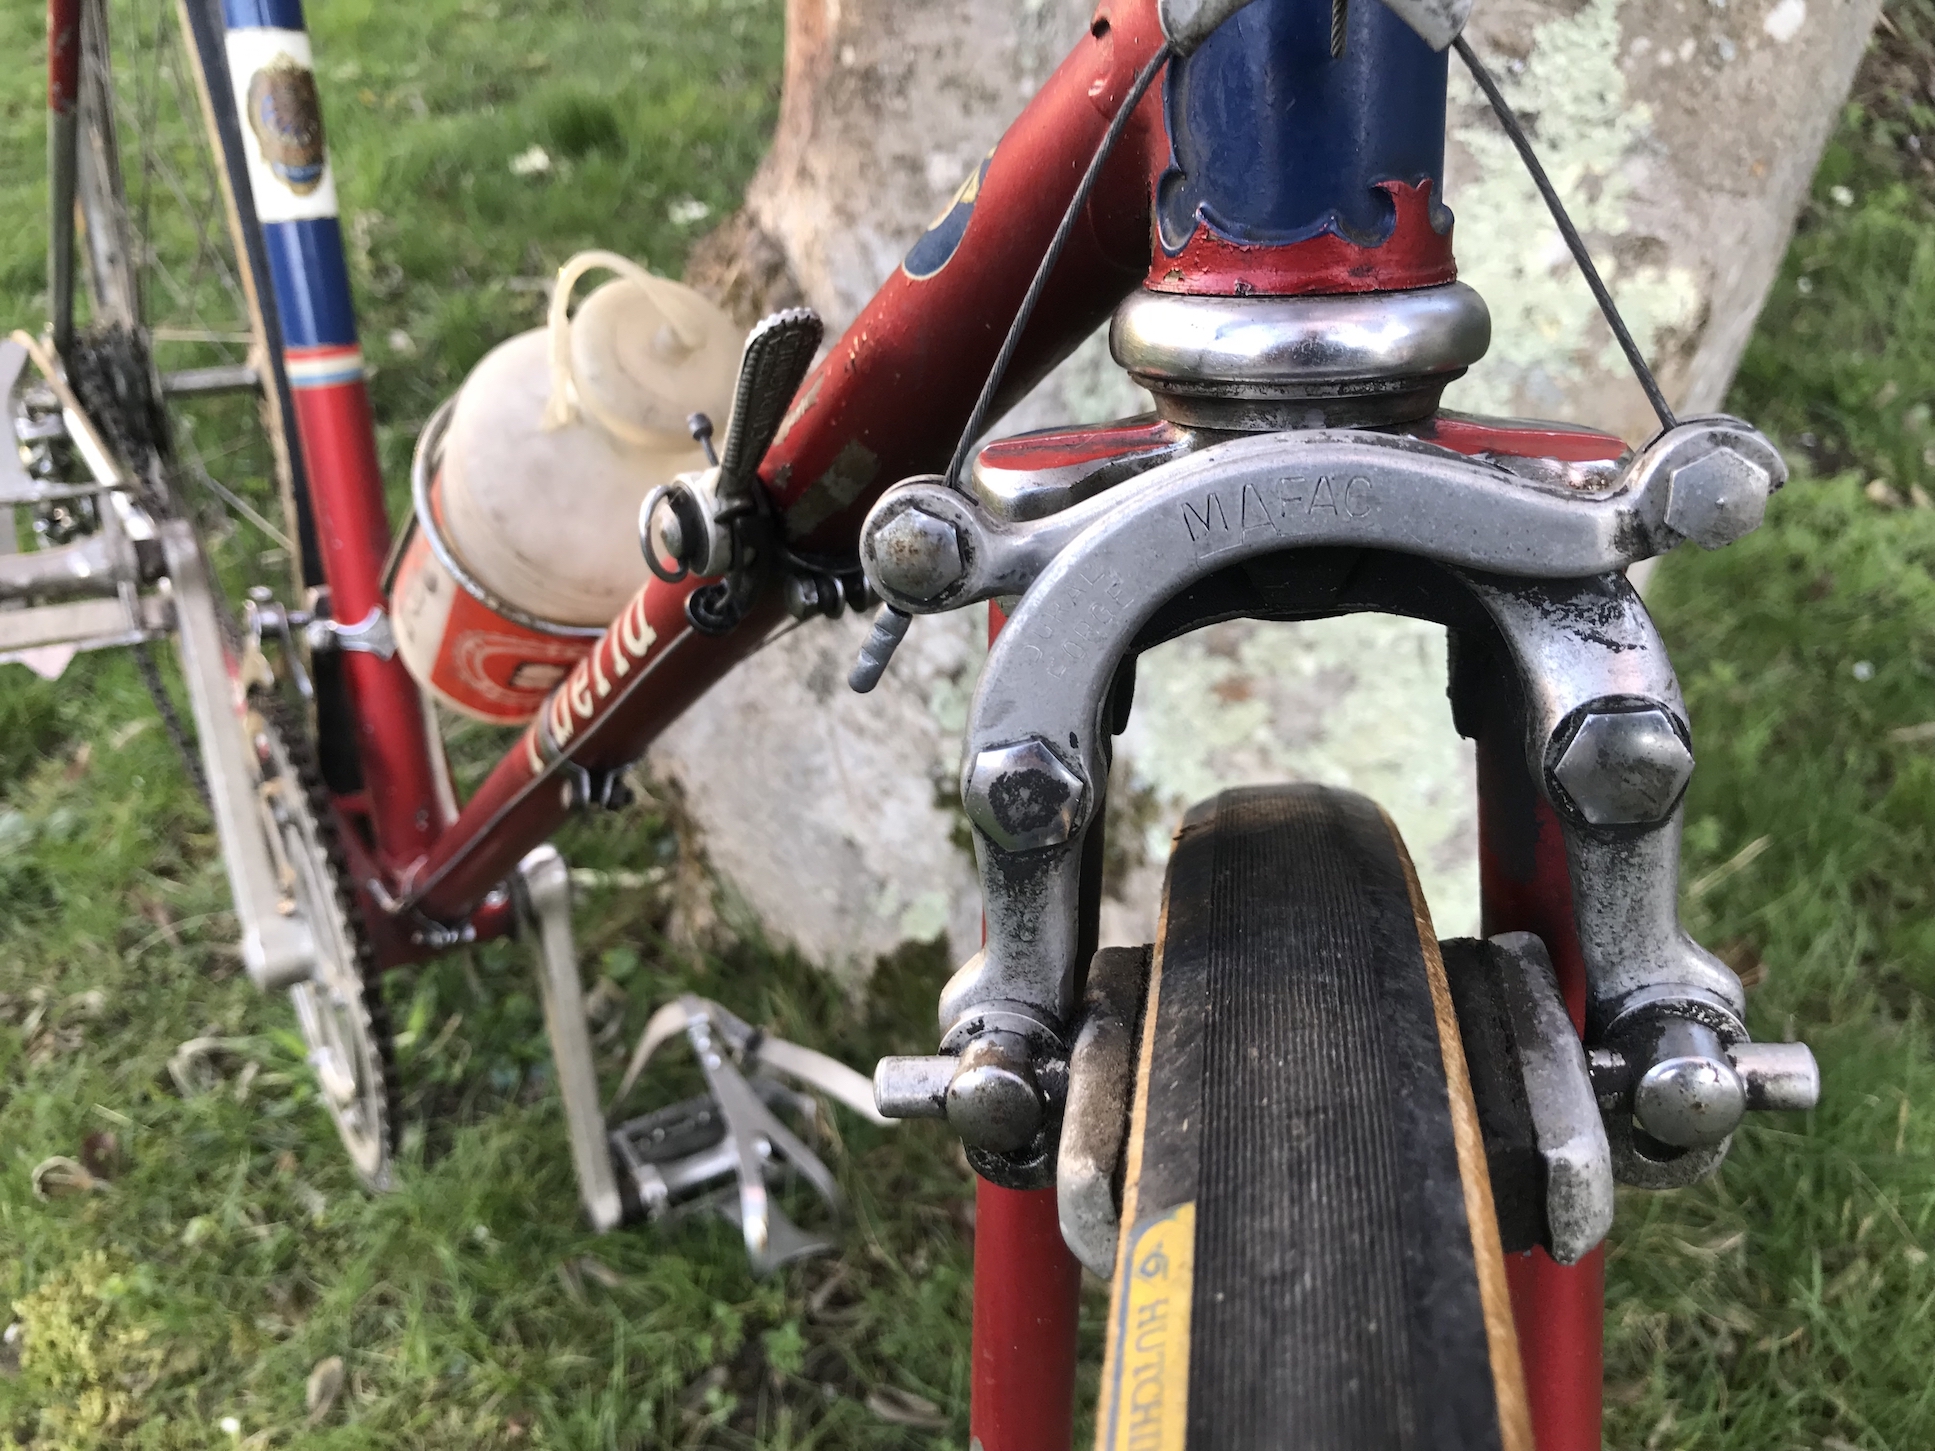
(714, 523)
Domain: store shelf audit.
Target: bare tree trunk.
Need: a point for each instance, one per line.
(1682, 136)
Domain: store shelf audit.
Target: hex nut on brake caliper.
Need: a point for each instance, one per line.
(1023, 796)
(1716, 473)
(914, 555)
(1717, 498)
(1624, 767)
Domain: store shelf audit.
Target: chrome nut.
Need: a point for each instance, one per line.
(915, 555)
(1023, 797)
(993, 1101)
(1691, 1096)
(1718, 497)
(1625, 767)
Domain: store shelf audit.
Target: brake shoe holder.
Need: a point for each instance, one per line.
(1607, 737)
(728, 1149)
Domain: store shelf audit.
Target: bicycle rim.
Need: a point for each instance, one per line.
(169, 317)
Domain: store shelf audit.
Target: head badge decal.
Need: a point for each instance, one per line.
(942, 238)
(285, 114)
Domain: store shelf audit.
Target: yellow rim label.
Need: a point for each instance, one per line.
(1147, 1400)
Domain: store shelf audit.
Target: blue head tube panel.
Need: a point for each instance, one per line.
(1275, 142)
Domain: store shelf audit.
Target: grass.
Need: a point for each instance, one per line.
(1783, 1305)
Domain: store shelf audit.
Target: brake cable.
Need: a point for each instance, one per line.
(1574, 243)
(890, 625)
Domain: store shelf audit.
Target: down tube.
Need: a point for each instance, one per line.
(887, 401)
(275, 97)
(1526, 887)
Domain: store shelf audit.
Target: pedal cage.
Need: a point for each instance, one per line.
(725, 1151)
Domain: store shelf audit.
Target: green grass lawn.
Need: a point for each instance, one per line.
(1784, 1305)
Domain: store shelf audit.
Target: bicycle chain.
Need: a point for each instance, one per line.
(298, 751)
(150, 669)
(110, 372)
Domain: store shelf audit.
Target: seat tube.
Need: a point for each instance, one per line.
(275, 97)
(1525, 886)
(1027, 1294)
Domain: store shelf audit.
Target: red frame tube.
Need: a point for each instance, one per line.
(1027, 1295)
(63, 55)
(393, 742)
(887, 402)
(1526, 886)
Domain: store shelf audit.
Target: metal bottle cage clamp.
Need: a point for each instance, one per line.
(424, 462)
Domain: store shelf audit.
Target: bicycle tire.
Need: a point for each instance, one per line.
(1309, 1254)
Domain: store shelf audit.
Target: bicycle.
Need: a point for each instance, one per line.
(1297, 327)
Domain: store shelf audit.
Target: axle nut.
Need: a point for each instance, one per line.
(1717, 498)
(993, 1102)
(914, 555)
(1625, 767)
(1023, 797)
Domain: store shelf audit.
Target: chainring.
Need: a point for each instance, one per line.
(340, 1009)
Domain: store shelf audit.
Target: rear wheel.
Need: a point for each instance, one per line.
(172, 362)
(1309, 1256)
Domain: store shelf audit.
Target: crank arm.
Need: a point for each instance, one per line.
(278, 949)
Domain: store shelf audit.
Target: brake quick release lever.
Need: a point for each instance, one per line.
(889, 629)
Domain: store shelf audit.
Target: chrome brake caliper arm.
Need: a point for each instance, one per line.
(1035, 762)
(1607, 741)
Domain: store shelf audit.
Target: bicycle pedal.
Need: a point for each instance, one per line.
(727, 1150)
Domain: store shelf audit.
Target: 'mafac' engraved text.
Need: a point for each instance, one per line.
(1149, 1390)
(1222, 518)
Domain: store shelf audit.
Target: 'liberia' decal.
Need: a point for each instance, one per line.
(285, 113)
(942, 238)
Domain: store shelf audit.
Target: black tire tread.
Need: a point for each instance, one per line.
(1302, 1099)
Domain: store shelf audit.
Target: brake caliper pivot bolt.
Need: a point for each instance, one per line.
(915, 555)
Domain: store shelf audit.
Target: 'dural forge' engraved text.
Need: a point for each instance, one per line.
(1223, 516)
(1092, 611)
